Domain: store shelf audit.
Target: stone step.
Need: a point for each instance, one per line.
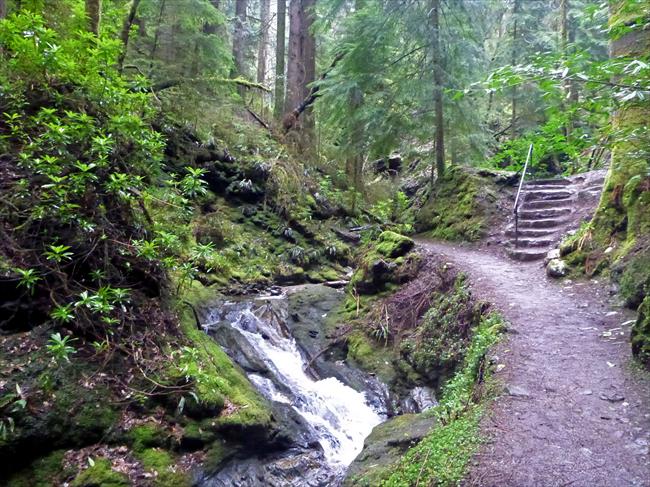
(528, 242)
(526, 255)
(528, 232)
(547, 194)
(540, 213)
(530, 205)
(548, 182)
(543, 223)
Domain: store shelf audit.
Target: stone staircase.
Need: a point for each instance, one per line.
(549, 208)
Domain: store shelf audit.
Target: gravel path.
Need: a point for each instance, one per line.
(575, 411)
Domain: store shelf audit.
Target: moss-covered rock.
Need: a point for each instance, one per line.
(385, 262)
(101, 474)
(634, 278)
(393, 245)
(385, 446)
(640, 334)
(461, 205)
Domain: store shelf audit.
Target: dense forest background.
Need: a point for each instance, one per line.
(151, 150)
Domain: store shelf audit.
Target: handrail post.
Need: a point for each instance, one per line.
(521, 184)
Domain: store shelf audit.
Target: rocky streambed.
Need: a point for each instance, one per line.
(325, 408)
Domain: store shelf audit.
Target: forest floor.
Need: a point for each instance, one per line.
(575, 410)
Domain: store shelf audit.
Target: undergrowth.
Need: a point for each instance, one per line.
(442, 457)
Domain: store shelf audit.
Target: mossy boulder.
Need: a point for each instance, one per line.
(640, 335)
(385, 262)
(393, 245)
(385, 446)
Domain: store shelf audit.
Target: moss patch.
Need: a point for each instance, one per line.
(441, 458)
(161, 464)
(640, 334)
(101, 474)
(214, 374)
(440, 342)
(386, 261)
(460, 206)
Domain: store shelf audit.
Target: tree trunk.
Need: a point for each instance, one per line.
(94, 14)
(624, 207)
(295, 67)
(239, 38)
(309, 59)
(265, 13)
(126, 33)
(279, 59)
(513, 113)
(437, 93)
(3, 9)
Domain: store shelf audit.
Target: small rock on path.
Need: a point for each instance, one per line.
(574, 412)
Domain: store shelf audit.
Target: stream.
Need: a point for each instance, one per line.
(334, 406)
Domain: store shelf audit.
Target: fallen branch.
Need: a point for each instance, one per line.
(258, 118)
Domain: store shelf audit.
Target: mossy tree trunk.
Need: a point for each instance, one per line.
(624, 209)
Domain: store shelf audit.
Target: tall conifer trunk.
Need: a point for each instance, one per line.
(279, 59)
(265, 13)
(437, 90)
(239, 38)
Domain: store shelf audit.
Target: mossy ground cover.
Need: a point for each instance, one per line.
(461, 207)
(442, 457)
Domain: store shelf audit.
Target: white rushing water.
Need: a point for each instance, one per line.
(340, 415)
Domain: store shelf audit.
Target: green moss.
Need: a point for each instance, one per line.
(441, 458)
(440, 341)
(216, 456)
(635, 279)
(385, 262)
(215, 375)
(370, 356)
(147, 436)
(640, 334)
(393, 245)
(161, 463)
(44, 472)
(101, 474)
(459, 207)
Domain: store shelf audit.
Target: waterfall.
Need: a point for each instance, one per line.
(340, 416)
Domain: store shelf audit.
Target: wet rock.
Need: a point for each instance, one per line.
(292, 469)
(419, 399)
(556, 268)
(291, 430)
(386, 445)
(239, 349)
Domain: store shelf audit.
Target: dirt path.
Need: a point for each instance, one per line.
(575, 412)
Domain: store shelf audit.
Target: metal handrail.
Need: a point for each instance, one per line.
(521, 184)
